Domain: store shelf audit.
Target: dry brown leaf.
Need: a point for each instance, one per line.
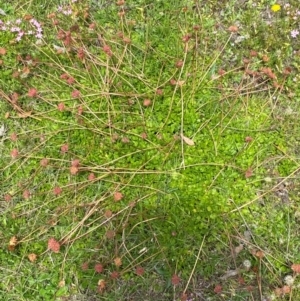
(32, 257)
(61, 283)
(238, 249)
(12, 243)
(24, 114)
(73, 170)
(118, 261)
(260, 254)
(110, 234)
(187, 140)
(25, 72)
(2, 51)
(101, 285)
(108, 213)
(230, 273)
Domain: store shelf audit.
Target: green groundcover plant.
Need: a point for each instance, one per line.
(149, 150)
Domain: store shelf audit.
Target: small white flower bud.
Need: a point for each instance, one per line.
(247, 264)
(289, 280)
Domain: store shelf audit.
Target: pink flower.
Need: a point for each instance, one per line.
(85, 266)
(64, 148)
(107, 50)
(7, 197)
(70, 80)
(14, 153)
(294, 33)
(61, 106)
(26, 194)
(44, 162)
(75, 93)
(32, 92)
(67, 12)
(75, 163)
(64, 76)
(53, 245)
(91, 176)
(98, 268)
(57, 190)
(118, 196)
(15, 29)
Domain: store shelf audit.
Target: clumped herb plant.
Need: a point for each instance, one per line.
(149, 149)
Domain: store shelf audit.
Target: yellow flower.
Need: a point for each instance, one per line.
(275, 7)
